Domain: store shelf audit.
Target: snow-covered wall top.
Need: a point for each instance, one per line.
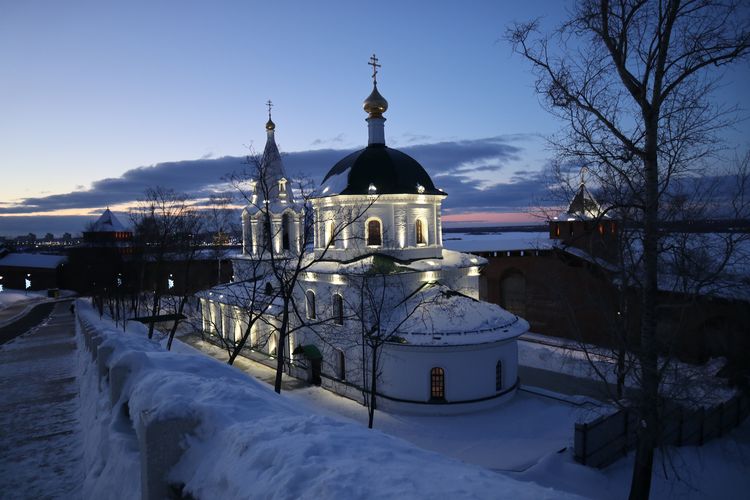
(249, 442)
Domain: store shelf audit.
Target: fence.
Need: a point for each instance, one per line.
(603, 441)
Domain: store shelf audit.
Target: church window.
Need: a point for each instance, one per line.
(266, 222)
(601, 228)
(329, 233)
(310, 304)
(338, 309)
(570, 228)
(285, 230)
(269, 288)
(499, 376)
(557, 230)
(419, 228)
(282, 186)
(437, 383)
(374, 233)
(341, 368)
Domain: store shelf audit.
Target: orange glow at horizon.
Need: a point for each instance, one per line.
(492, 217)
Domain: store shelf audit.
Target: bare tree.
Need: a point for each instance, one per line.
(388, 298)
(281, 258)
(633, 79)
(166, 228)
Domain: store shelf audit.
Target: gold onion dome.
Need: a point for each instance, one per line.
(375, 104)
(270, 125)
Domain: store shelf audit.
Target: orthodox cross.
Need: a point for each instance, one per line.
(374, 63)
(270, 105)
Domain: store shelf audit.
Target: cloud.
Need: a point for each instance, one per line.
(338, 139)
(454, 165)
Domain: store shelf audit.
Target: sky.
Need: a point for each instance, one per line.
(101, 100)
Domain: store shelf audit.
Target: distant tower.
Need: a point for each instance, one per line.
(585, 225)
(107, 231)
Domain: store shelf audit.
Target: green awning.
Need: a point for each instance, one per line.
(309, 351)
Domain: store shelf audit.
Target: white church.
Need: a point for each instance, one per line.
(375, 273)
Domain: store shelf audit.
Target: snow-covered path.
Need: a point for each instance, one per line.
(40, 435)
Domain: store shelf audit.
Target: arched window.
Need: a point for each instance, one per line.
(513, 292)
(338, 309)
(420, 232)
(269, 288)
(329, 233)
(437, 383)
(285, 229)
(374, 233)
(499, 376)
(341, 364)
(266, 231)
(310, 304)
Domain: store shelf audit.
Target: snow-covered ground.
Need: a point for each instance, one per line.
(310, 442)
(9, 297)
(685, 382)
(250, 442)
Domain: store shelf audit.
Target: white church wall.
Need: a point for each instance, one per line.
(398, 215)
(469, 375)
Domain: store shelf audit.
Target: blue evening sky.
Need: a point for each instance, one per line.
(92, 90)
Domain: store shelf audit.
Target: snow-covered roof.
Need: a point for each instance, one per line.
(244, 294)
(107, 223)
(32, 260)
(450, 260)
(438, 316)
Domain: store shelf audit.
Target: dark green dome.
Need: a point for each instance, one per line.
(389, 170)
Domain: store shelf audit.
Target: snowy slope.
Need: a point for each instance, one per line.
(253, 443)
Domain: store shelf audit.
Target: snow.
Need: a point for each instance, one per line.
(107, 223)
(10, 297)
(32, 260)
(443, 317)
(682, 381)
(251, 442)
(311, 443)
(496, 241)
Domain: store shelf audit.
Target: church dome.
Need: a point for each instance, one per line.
(375, 104)
(378, 169)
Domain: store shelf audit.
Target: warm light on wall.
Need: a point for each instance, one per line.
(474, 271)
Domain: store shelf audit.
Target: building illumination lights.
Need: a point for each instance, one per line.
(372, 189)
(420, 188)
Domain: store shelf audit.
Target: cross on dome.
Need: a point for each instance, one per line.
(270, 125)
(374, 63)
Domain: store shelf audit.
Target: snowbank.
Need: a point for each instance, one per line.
(196, 425)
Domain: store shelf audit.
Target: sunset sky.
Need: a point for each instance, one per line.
(100, 100)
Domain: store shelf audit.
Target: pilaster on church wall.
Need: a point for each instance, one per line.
(400, 224)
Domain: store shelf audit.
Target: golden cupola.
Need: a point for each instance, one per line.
(375, 104)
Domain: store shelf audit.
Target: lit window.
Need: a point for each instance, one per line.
(437, 383)
(338, 309)
(282, 186)
(329, 233)
(374, 233)
(310, 304)
(419, 228)
(499, 376)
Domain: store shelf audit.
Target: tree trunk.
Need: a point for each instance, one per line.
(373, 387)
(640, 486)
